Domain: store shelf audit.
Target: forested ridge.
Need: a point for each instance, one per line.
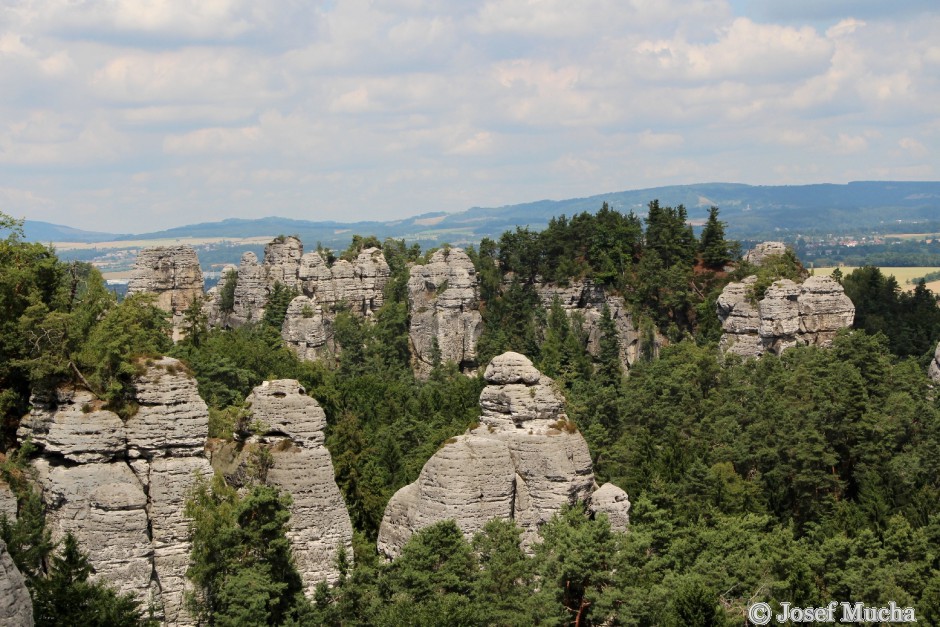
(809, 477)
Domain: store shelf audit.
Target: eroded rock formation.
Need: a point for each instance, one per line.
(587, 300)
(933, 371)
(759, 253)
(120, 487)
(790, 314)
(16, 606)
(360, 286)
(443, 298)
(522, 462)
(173, 274)
(289, 425)
(321, 290)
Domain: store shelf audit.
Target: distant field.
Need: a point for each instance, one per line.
(912, 235)
(141, 243)
(903, 275)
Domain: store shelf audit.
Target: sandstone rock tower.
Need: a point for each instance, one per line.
(289, 426)
(586, 299)
(933, 371)
(173, 274)
(443, 298)
(790, 314)
(119, 487)
(522, 462)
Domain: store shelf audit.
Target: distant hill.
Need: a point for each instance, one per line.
(750, 211)
(38, 231)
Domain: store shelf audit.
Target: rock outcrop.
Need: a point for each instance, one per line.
(119, 487)
(588, 300)
(358, 286)
(759, 253)
(321, 291)
(790, 314)
(289, 425)
(443, 297)
(173, 274)
(16, 606)
(933, 371)
(8, 505)
(522, 462)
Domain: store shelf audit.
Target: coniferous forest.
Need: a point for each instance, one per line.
(808, 477)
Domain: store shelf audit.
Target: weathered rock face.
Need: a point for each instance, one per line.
(587, 300)
(790, 314)
(16, 606)
(522, 462)
(8, 506)
(443, 296)
(173, 274)
(281, 261)
(120, 487)
(933, 371)
(251, 291)
(613, 501)
(306, 330)
(759, 253)
(74, 426)
(292, 426)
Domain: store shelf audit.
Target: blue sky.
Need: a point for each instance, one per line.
(137, 115)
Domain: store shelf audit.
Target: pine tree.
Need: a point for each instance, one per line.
(713, 247)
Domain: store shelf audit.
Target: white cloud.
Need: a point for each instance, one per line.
(187, 112)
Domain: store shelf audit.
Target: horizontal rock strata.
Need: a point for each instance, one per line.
(173, 274)
(522, 462)
(790, 314)
(443, 299)
(119, 487)
(289, 425)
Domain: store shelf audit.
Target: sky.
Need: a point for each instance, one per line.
(140, 115)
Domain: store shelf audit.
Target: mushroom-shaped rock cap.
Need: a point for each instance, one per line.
(511, 368)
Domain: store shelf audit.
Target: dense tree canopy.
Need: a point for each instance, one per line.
(807, 477)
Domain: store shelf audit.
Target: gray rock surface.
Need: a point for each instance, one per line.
(172, 418)
(74, 426)
(522, 462)
(16, 606)
(173, 274)
(759, 253)
(933, 371)
(104, 506)
(119, 488)
(613, 501)
(584, 299)
(282, 260)
(790, 314)
(443, 298)
(306, 330)
(251, 291)
(168, 481)
(8, 505)
(291, 429)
